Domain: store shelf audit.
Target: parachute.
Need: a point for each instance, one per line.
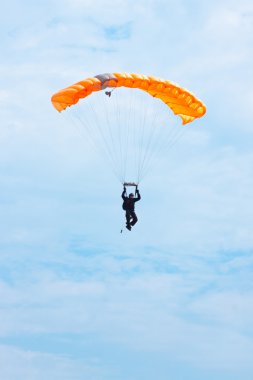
(127, 124)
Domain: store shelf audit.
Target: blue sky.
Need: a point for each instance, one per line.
(173, 299)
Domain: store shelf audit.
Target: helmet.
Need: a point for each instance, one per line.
(131, 195)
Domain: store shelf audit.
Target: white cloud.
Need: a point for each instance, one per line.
(144, 301)
(16, 363)
(180, 283)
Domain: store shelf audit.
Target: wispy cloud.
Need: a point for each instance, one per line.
(173, 297)
(36, 365)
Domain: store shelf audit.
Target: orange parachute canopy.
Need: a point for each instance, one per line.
(182, 102)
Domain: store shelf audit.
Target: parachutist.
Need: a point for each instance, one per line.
(128, 206)
(130, 124)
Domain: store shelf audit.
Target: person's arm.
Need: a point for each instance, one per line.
(138, 195)
(123, 195)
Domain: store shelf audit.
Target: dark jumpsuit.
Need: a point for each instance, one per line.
(128, 206)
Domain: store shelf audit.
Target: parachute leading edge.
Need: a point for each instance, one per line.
(182, 102)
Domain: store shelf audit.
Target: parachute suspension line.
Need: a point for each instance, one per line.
(107, 129)
(127, 135)
(136, 137)
(167, 132)
(123, 130)
(114, 116)
(100, 130)
(144, 109)
(112, 134)
(81, 125)
(167, 144)
(141, 135)
(132, 157)
(95, 130)
(136, 127)
(158, 148)
(151, 130)
(118, 128)
(173, 139)
(127, 126)
(158, 139)
(121, 133)
(152, 133)
(156, 136)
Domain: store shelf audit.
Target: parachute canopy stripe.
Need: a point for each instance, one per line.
(182, 102)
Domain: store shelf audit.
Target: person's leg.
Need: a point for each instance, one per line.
(134, 218)
(128, 217)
